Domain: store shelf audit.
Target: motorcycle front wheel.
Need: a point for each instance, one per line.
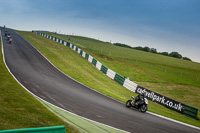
(128, 103)
(143, 108)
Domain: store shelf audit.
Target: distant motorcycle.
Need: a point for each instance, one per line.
(10, 40)
(141, 105)
(6, 33)
(8, 36)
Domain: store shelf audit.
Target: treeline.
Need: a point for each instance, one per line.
(154, 50)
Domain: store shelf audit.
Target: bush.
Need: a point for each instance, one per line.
(175, 55)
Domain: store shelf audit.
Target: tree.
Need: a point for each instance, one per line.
(147, 49)
(122, 45)
(175, 55)
(164, 53)
(153, 50)
(138, 48)
(186, 58)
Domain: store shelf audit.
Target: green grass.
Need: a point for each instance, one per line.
(78, 68)
(169, 76)
(151, 67)
(18, 109)
(83, 125)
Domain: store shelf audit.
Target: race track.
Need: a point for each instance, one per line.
(45, 81)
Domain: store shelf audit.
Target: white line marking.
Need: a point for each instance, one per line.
(34, 89)
(61, 105)
(185, 124)
(50, 96)
(99, 116)
(42, 96)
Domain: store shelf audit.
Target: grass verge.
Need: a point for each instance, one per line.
(78, 68)
(83, 125)
(19, 109)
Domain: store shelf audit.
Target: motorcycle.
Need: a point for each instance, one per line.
(141, 105)
(6, 33)
(8, 37)
(10, 40)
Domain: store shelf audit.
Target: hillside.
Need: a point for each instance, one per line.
(78, 68)
(141, 66)
(169, 76)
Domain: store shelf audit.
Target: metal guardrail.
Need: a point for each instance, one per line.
(190, 111)
(55, 129)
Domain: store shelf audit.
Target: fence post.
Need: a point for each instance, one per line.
(165, 69)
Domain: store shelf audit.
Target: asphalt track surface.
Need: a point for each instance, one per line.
(44, 80)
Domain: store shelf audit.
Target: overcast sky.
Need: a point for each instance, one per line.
(167, 25)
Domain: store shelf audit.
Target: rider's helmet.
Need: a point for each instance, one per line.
(143, 92)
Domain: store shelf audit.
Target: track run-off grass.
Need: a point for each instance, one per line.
(137, 70)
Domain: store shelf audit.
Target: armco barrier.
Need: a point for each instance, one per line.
(56, 129)
(155, 97)
(110, 73)
(94, 61)
(86, 56)
(90, 58)
(98, 65)
(104, 69)
(119, 79)
(130, 85)
(190, 111)
(76, 49)
(81, 52)
(68, 44)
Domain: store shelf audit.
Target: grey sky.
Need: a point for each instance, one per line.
(168, 25)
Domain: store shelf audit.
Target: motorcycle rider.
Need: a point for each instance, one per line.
(8, 36)
(10, 39)
(6, 33)
(139, 97)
